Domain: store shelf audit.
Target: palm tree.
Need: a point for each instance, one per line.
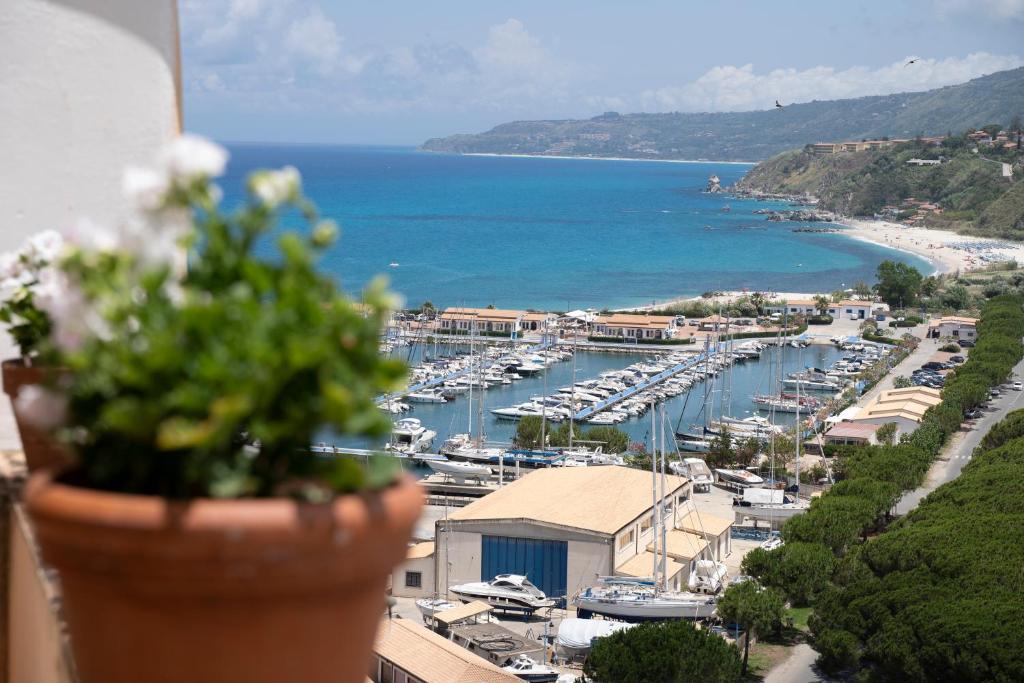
(821, 304)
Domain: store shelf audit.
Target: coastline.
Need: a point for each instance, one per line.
(946, 250)
(563, 156)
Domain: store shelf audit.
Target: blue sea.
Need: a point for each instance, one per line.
(556, 234)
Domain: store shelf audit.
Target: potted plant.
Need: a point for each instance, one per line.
(197, 538)
(24, 278)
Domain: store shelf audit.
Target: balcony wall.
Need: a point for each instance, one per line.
(33, 647)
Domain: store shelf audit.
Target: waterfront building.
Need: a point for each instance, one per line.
(414, 578)
(481, 320)
(631, 326)
(561, 527)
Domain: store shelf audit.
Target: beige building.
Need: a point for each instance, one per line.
(631, 326)
(563, 527)
(852, 434)
(905, 407)
(414, 578)
(954, 326)
(484, 320)
(406, 652)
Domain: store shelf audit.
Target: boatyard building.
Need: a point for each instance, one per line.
(954, 326)
(406, 652)
(905, 407)
(563, 527)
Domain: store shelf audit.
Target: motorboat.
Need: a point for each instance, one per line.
(628, 599)
(426, 396)
(505, 591)
(742, 477)
(428, 607)
(461, 471)
(576, 636)
(707, 577)
(527, 669)
(409, 436)
(772, 542)
(696, 470)
(394, 407)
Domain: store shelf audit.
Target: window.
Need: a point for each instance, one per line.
(626, 539)
(646, 523)
(414, 579)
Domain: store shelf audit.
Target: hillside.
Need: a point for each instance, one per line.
(755, 135)
(969, 189)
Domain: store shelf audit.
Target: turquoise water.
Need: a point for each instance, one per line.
(552, 233)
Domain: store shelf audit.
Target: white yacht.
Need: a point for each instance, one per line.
(769, 504)
(426, 396)
(739, 477)
(629, 599)
(393, 406)
(527, 669)
(707, 577)
(464, 447)
(409, 436)
(505, 591)
(428, 607)
(461, 471)
(696, 470)
(576, 636)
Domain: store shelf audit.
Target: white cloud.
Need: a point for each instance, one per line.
(739, 88)
(314, 38)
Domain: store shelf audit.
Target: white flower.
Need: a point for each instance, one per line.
(90, 236)
(74, 319)
(10, 289)
(190, 157)
(273, 188)
(41, 407)
(10, 265)
(145, 188)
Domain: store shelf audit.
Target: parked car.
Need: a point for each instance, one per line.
(973, 414)
(966, 344)
(957, 359)
(1018, 385)
(933, 365)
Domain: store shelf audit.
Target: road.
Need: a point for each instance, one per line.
(799, 668)
(957, 452)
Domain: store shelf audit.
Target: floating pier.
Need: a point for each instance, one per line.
(649, 382)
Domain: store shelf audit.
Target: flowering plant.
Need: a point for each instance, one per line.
(213, 379)
(24, 274)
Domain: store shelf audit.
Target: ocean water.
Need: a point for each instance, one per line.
(557, 234)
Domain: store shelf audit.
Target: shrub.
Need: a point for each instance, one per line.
(663, 651)
(952, 347)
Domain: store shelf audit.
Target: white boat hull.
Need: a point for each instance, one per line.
(628, 608)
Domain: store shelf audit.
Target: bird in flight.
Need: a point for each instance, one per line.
(912, 61)
(777, 104)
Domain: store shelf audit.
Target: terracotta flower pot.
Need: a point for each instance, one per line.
(41, 450)
(221, 590)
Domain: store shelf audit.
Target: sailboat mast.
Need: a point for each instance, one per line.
(654, 492)
(572, 390)
(799, 427)
(661, 512)
(469, 409)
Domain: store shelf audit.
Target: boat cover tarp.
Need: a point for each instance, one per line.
(763, 496)
(578, 634)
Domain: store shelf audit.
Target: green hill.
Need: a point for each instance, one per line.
(969, 187)
(750, 136)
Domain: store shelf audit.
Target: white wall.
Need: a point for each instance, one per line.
(86, 87)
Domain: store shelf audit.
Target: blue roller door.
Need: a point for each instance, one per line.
(542, 562)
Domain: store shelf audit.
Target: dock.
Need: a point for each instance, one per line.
(647, 383)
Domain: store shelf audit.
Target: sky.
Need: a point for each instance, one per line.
(401, 71)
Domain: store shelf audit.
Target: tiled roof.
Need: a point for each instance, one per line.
(599, 499)
(432, 658)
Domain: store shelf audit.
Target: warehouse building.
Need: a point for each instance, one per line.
(563, 527)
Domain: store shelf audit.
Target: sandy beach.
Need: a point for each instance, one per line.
(947, 251)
